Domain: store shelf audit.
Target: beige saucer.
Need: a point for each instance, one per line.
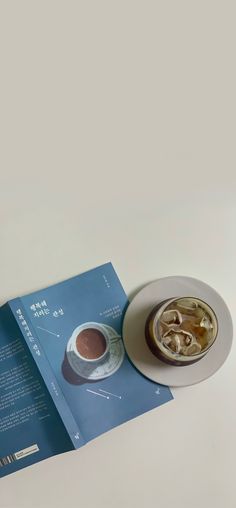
(134, 338)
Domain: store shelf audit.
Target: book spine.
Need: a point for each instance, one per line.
(39, 356)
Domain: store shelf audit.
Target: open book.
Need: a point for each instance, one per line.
(64, 374)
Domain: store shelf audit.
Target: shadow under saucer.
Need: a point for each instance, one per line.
(70, 376)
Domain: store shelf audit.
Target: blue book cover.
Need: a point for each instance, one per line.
(64, 375)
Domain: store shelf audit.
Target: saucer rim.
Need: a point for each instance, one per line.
(167, 375)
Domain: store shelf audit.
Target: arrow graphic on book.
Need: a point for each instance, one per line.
(96, 393)
(109, 393)
(48, 331)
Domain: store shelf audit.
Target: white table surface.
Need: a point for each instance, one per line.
(118, 143)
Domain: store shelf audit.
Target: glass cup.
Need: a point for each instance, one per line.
(181, 331)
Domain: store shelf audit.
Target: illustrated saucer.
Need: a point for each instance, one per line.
(108, 366)
(134, 337)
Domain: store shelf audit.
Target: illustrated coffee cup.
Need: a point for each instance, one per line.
(181, 331)
(90, 344)
(94, 351)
